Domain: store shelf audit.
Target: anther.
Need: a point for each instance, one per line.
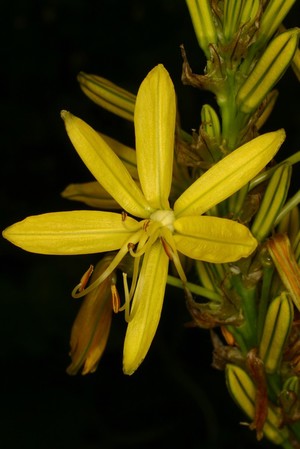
(85, 278)
(115, 297)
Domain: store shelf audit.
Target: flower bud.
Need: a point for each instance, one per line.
(210, 122)
(108, 95)
(272, 17)
(243, 390)
(91, 327)
(273, 200)
(201, 15)
(276, 330)
(232, 15)
(268, 70)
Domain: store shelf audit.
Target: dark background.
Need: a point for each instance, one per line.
(175, 400)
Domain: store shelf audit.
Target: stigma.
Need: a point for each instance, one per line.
(164, 217)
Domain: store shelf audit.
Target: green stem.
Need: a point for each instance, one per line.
(248, 304)
(289, 205)
(197, 289)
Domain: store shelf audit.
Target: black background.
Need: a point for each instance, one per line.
(175, 399)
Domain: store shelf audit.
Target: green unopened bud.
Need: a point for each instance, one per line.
(273, 200)
(289, 399)
(243, 391)
(268, 70)
(210, 122)
(272, 17)
(232, 15)
(201, 15)
(292, 384)
(108, 95)
(276, 330)
(250, 11)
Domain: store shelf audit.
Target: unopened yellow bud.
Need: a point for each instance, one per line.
(268, 70)
(243, 391)
(108, 95)
(276, 330)
(201, 15)
(273, 200)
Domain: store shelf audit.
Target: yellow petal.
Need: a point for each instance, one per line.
(106, 167)
(92, 194)
(213, 239)
(125, 153)
(74, 232)
(146, 307)
(154, 121)
(108, 95)
(229, 175)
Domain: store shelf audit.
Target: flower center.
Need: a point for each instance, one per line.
(164, 217)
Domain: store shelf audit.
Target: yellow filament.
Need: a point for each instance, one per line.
(167, 237)
(77, 293)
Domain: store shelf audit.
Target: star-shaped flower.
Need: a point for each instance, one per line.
(160, 232)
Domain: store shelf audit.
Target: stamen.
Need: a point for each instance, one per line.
(76, 293)
(85, 278)
(168, 242)
(126, 306)
(124, 215)
(147, 240)
(115, 298)
(136, 269)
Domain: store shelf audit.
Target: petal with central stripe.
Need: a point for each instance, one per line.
(229, 175)
(146, 307)
(73, 232)
(106, 167)
(154, 121)
(213, 239)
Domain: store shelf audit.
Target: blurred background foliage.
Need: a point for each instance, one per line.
(175, 400)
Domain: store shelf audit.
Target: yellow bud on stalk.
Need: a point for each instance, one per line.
(210, 122)
(272, 17)
(201, 15)
(272, 202)
(268, 70)
(243, 392)
(276, 330)
(250, 10)
(232, 14)
(108, 95)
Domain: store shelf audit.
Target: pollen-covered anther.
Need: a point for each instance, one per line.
(85, 278)
(130, 246)
(115, 298)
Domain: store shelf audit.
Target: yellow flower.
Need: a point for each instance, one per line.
(162, 231)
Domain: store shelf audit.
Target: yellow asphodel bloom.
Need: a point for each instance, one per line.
(162, 231)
